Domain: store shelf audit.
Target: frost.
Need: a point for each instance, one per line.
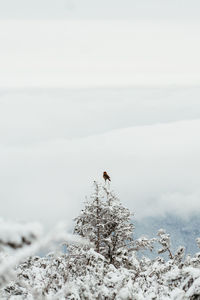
(101, 260)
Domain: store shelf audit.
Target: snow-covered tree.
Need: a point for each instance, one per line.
(107, 224)
(101, 262)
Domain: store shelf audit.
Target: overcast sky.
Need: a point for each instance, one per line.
(55, 143)
(110, 9)
(88, 86)
(75, 43)
(82, 53)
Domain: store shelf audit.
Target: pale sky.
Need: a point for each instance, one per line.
(104, 9)
(80, 53)
(88, 86)
(75, 43)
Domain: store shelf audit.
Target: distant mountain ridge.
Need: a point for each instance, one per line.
(183, 231)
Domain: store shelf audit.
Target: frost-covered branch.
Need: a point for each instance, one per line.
(165, 241)
(143, 243)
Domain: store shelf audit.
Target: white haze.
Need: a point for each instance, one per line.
(88, 86)
(95, 53)
(56, 142)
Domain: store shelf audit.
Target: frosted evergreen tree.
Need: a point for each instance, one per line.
(107, 224)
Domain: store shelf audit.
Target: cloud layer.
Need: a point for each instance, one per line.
(53, 148)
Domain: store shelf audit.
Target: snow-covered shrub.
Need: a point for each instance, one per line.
(107, 224)
(17, 235)
(101, 261)
(23, 274)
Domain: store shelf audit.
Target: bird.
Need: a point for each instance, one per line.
(106, 176)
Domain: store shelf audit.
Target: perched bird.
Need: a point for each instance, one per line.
(105, 176)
